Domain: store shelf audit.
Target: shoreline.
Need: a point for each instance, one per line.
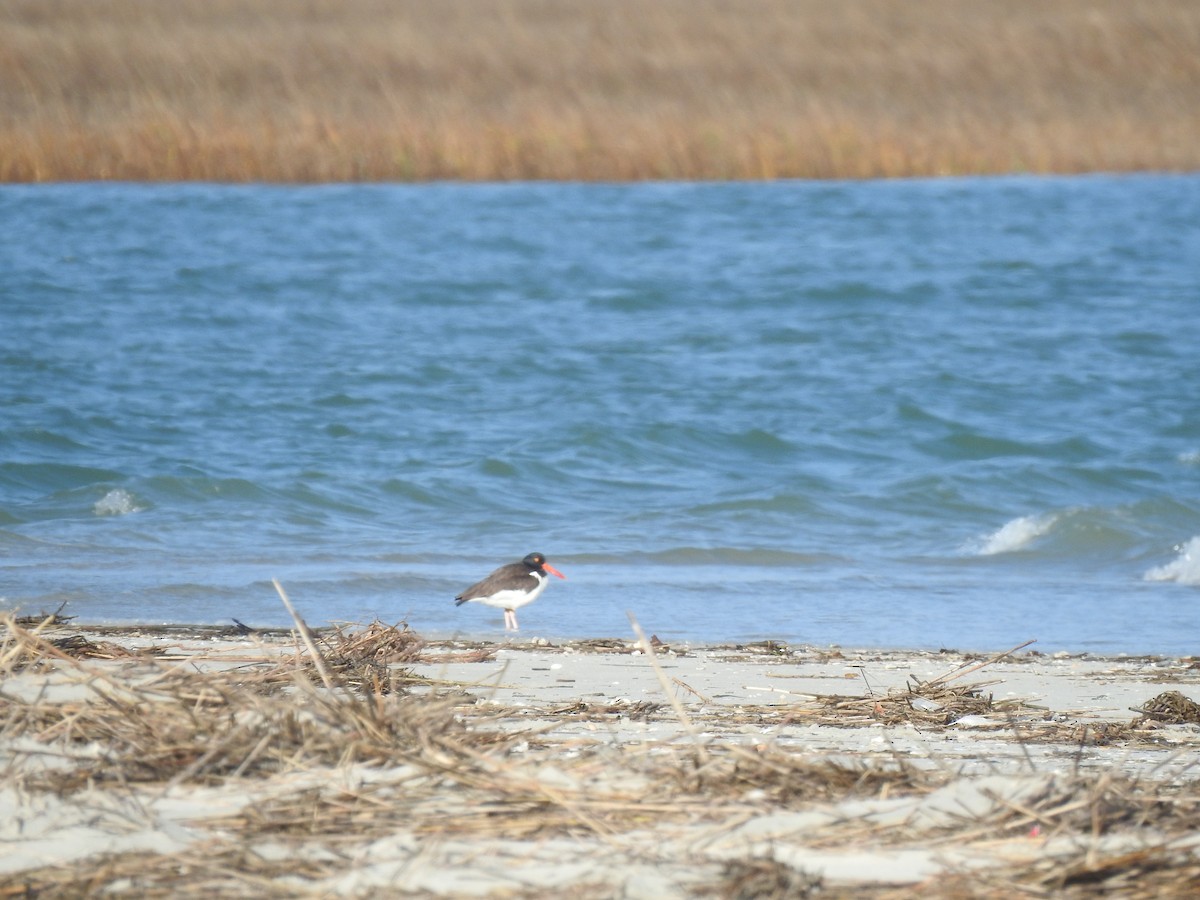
(178, 761)
(530, 640)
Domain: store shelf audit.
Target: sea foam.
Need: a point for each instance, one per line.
(117, 502)
(1014, 535)
(1184, 568)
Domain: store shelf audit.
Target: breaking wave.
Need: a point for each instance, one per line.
(1014, 535)
(117, 502)
(1184, 568)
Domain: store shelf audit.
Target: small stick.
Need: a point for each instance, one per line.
(959, 673)
(306, 634)
(687, 687)
(701, 753)
(862, 670)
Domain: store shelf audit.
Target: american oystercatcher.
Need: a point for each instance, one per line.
(511, 586)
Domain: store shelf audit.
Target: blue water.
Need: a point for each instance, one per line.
(947, 413)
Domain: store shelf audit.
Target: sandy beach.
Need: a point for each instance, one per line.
(370, 761)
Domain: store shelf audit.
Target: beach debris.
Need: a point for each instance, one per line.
(81, 647)
(766, 879)
(604, 645)
(366, 657)
(21, 648)
(924, 704)
(45, 619)
(767, 647)
(260, 779)
(1169, 707)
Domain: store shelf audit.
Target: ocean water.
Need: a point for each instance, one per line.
(946, 413)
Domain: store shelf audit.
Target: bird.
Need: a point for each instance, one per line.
(511, 586)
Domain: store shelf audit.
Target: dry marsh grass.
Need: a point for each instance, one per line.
(338, 90)
(334, 756)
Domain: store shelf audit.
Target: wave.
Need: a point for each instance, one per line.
(1183, 569)
(46, 478)
(1128, 531)
(786, 503)
(706, 556)
(1014, 535)
(969, 445)
(117, 502)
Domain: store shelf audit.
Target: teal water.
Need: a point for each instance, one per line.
(949, 413)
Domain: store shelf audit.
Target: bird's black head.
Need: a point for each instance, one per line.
(537, 563)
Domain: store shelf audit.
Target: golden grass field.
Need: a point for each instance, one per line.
(349, 90)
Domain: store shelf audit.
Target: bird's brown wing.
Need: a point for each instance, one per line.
(512, 577)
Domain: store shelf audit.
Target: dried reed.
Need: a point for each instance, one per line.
(434, 764)
(199, 725)
(544, 89)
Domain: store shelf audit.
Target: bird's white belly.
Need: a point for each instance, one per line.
(512, 599)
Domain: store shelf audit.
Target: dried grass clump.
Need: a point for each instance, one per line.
(214, 873)
(189, 723)
(921, 704)
(938, 704)
(1156, 871)
(80, 647)
(1101, 805)
(44, 619)
(926, 704)
(766, 879)
(365, 658)
(1158, 819)
(1151, 873)
(19, 651)
(1172, 708)
(1161, 860)
(781, 779)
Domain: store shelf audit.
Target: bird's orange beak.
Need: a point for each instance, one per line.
(553, 571)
